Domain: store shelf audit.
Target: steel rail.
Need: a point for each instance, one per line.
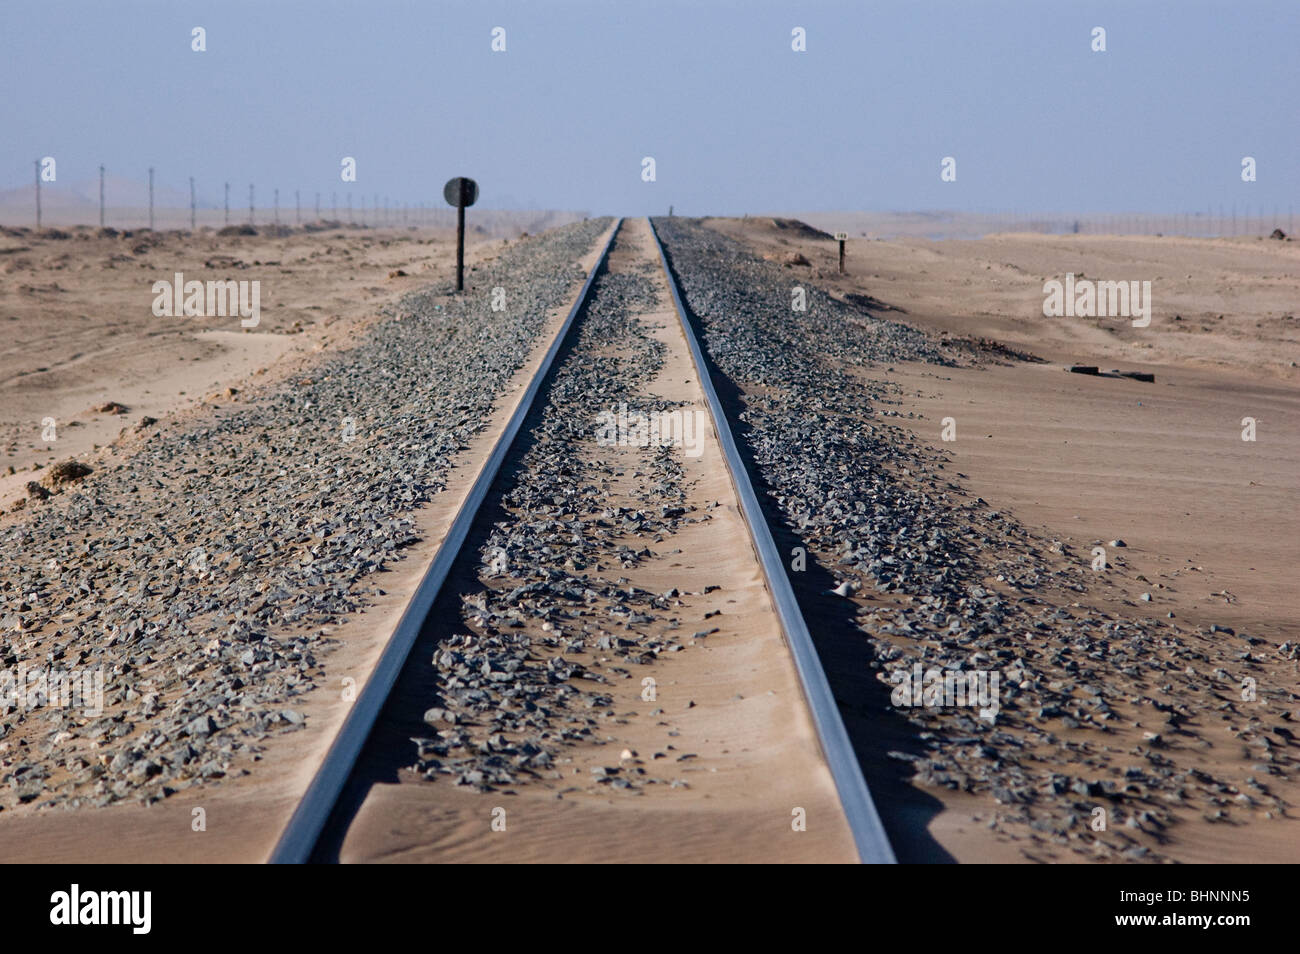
(860, 811)
(300, 835)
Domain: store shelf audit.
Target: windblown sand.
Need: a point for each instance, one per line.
(1209, 519)
(80, 333)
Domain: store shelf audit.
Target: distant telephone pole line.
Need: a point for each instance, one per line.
(192, 204)
(250, 203)
(276, 205)
(101, 197)
(151, 198)
(297, 209)
(227, 221)
(37, 164)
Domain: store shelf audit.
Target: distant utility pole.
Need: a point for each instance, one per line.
(37, 164)
(151, 198)
(297, 209)
(192, 203)
(318, 206)
(227, 222)
(250, 203)
(275, 204)
(349, 208)
(101, 197)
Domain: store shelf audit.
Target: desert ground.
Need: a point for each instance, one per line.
(119, 374)
(1208, 520)
(84, 348)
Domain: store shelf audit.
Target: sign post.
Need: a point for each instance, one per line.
(840, 237)
(460, 192)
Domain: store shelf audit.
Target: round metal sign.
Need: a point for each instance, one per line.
(460, 191)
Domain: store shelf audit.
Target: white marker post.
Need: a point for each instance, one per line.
(841, 237)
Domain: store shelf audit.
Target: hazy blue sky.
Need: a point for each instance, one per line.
(736, 121)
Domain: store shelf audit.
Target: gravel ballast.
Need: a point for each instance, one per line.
(1087, 700)
(199, 571)
(524, 656)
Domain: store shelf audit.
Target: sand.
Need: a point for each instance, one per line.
(1210, 520)
(756, 757)
(240, 819)
(80, 333)
(733, 699)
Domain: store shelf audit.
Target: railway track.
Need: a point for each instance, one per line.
(299, 840)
